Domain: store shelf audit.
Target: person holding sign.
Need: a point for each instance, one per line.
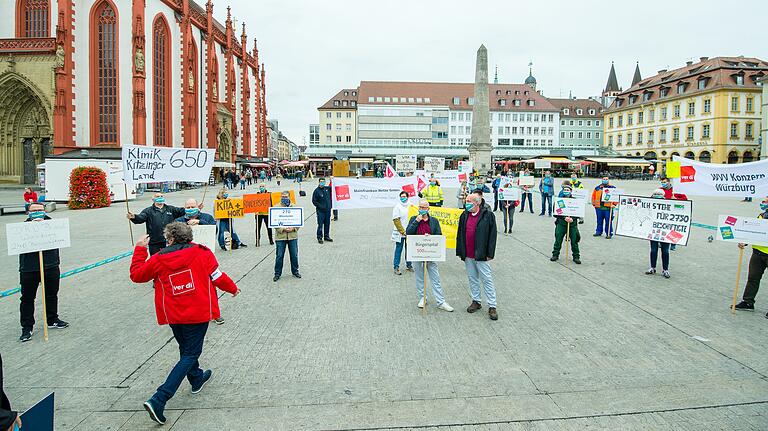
(757, 265)
(547, 189)
(566, 225)
(228, 225)
(656, 245)
(321, 199)
(476, 246)
(29, 278)
(186, 276)
(156, 217)
(193, 217)
(263, 218)
(286, 237)
(423, 224)
(496, 184)
(603, 209)
(400, 220)
(576, 184)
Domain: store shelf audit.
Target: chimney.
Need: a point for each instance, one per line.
(662, 71)
(702, 59)
(688, 63)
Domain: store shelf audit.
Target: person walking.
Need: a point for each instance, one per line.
(495, 185)
(566, 226)
(321, 199)
(193, 216)
(156, 217)
(227, 225)
(603, 209)
(547, 190)
(10, 420)
(423, 224)
(29, 278)
(656, 245)
(287, 237)
(186, 276)
(757, 265)
(263, 218)
(476, 246)
(400, 220)
(433, 193)
(461, 194)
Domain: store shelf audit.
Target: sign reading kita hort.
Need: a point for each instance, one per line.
(707, 179)
(228, 208)
(142, 164)
(748, 230)
(425, 248)
(654, 219)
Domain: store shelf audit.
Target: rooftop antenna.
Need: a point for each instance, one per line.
(496, 75)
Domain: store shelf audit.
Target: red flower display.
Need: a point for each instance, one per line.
(88, 188)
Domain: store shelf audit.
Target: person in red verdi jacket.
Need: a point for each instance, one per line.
(186, 276)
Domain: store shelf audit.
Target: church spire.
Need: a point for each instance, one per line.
(613, 84)
(637, 78)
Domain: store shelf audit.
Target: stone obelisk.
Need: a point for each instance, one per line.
(480, 146)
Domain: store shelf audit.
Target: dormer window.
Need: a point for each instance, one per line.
(702, 83)
(509, 92)
(335, 103)
(618, 103)
(579, 111)
(663, 92)
(739, 79)
(566, 111)
(470, 101)
(531, 102)
(498, 92)
(525, 92)
(346, 93)
(647, 96)
(632, 99)
(591, 112)
(516, 102)
(354, 93)
(681, 87)
(343, 103)
(502, 102)
(353, 103)
(456, 100)
(517, 92)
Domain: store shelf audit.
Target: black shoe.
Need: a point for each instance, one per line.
(492, 314)
(744, 305)
(319, 240)
(542, 214)
(577, 261)
(328, 240)
(206, 376)
(553, 258)
(26, 335)
(335, 219)
(297, 275)
(597, 234)
(608, 236)
(58, 324)
(275, 278)
(155, 412)
(271, 242)
(224, 248)
(241, 245)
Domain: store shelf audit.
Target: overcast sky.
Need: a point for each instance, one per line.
(314, 48)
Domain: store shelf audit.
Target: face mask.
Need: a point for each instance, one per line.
(471, 185)
(160, 200)
(403, 199)
(191, 212)
(658, 196)
(605, 182)
(423, 212)
(225, 195)
(566, 194)
(262, 189)
(432, 183)
(573, 178)
(468, 206)
(285, 202)
(764, 207)
(34, 215)
(322, 183)
(666, 185)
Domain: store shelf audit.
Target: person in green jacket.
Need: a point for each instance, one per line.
(562, 225)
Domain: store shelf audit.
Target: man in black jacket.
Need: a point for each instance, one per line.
(321, 199)
(156, 218)
(476, 246)
(29, 275)
(7, 416)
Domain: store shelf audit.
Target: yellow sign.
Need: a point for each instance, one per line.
(448, 218)
(228, 208)
(276, 196)
(673, 169)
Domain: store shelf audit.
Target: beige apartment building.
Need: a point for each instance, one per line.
(338, 119)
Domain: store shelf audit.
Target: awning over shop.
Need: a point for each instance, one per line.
(554, 160)
(320, 159)
(361, 160)
(222, 164)
(619, 161)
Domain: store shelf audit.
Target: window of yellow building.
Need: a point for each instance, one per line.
(707, 106)
(676, 134)
(629, 139)
(663, 113)
(651, 115)
(640, 117)
(630, 119)
(650, 136)
(692, 108)
(618, 140)
(705, 130)
(735, 104)
(676, 111)
(689, 133)
(750, 104)
(610, 122)
(663, 135)
(734, 130)
(621, 120)
(748, 131)
(639, 137)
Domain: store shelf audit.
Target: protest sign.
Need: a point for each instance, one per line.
(448, 219)
(747, 230)
(465, 167)
(257, 203)
(286, 217)
(709, 179)
(39, 417)
(527, 180)
(542, 164)
(434, 164)
(277, 195)
(447, 178)
(228, 208)
(353, 193)
(142, 164)
(32, 236)
(612, 195)
(425, 248)
(405, 162)
(205, 235)
(654, 219)
(509, 193)
(569, 207)
(581, 194)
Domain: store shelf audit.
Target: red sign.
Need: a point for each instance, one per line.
(674, 236)
(421, 184)
(408, 188)
(182, 283)
(687, 174)
(462, 177)
(730, 221)
(342, 193)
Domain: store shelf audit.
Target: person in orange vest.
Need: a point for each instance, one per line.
(603, 209)
(757, 265)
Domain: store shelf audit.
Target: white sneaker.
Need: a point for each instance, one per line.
(445, 306)
(422, 303)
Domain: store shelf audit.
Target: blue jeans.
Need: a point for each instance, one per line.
(477, 272)
(323, 224)
(604, 222)
(546, 203)
(293, 251)
(190, 338)
(434, 277)
(399, 247)
(655, 245)
(224, 227)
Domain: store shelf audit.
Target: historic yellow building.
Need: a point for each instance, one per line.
(708, 111)
(338, 119)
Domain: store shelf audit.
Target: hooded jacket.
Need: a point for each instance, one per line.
(186, 277)
(485, 235)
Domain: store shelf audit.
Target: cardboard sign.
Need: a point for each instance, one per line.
(257, 203)
(276, 198)
(542, 164)
(747, 230)
(581, 194)
(143, 164)
(228, 208)
(205, 235)
(352, 193)
(446, 178)
(434, 164)
(405, 162)
(612, 195)
(32, 236)
(654, 219)
(527, 180)
(39, 417)
(448, 219)
(509, 193)
(465, 167)
(712, 179)
(569, 207)
(286, 217)
(425, 248)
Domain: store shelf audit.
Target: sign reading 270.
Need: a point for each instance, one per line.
(142, 164)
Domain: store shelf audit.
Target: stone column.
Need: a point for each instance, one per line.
(480, 146)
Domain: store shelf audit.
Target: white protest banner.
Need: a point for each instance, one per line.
(465, 167)
(527, 180)
(434, 164)
(142, 164)
(286, 216)
(405, 162)
(654, 219)
(542, 164)
(509, 193)
(205, 235)
(353, 193)
(747, 230)
(32, 236)
(581, 194)
(569, 207)
(709, 179)
(425, 248)
(612, 195)
(447, 179)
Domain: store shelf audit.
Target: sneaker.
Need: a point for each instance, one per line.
(597, 234)
(744, 305)
(297, 275)
(650, 271)
(398, 272)
(577, 261)
(275, 278)
(492, 313)
(224, 248)
(155, 412)
(219, 321)
(474, 306)
(26, 335)
(665, 274)
(422, 303)
(327, 240)
(445, 306)
(608, 236)
(553, 258)
(206, 376)
(58, 324)
(409, 268)
(241, 245)
(319, 240)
